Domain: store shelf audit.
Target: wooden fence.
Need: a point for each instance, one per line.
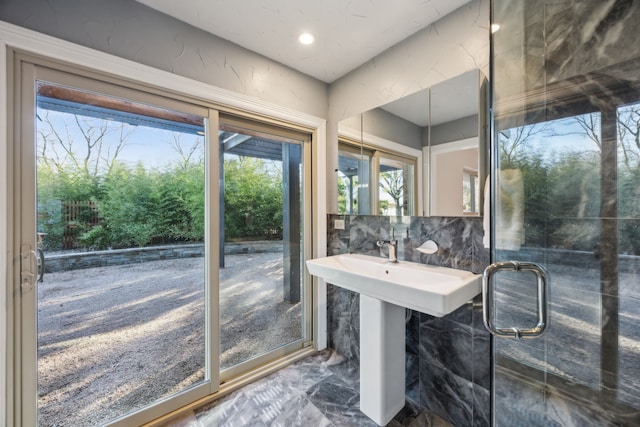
(78, 216)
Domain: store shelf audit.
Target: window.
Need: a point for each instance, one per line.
(470, 191)
(131, 173)
(372, 181)
(354, 169)
(396, 185)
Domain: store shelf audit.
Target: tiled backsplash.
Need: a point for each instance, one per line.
(448, 358)
(459, 239)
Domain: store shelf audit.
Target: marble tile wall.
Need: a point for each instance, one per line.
(448, 359)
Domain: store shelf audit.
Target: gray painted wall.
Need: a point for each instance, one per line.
(392, 128)
(382, 124)
(136, 32)
(466, 127)
(455, 44)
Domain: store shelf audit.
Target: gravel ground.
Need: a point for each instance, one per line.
(113, 339)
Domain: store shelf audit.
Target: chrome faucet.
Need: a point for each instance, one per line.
(393, 247)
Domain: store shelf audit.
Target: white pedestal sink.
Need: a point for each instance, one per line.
(382, 359)
(386, 289)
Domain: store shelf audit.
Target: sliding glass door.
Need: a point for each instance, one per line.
(263, 209)
(354, 175)
(396, 185)
(156, 260)
(373, 181)
(113, 195)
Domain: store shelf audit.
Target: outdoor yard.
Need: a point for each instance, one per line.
(113, 339)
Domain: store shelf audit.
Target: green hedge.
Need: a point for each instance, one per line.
(140, 207)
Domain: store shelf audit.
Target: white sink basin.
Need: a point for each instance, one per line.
(429, 289)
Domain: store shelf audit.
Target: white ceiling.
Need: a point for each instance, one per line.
(348, 32)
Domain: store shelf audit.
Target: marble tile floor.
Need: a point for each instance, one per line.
(319, 391)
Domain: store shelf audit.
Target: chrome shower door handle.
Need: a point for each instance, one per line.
(488, 299)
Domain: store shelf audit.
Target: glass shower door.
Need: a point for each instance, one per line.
(565, 181)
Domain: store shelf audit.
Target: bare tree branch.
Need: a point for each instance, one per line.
(392, 183)
(186, 154)
(590, 123)
(96, 154)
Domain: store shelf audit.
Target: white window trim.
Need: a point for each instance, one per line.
(15, 37)
(462, 144)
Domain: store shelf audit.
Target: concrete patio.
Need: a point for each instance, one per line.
(113, 339)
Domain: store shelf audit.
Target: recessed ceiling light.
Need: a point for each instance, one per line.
(495, 27)
(306, 38)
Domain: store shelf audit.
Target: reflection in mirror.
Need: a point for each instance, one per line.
(470, 191)
(457, 144)
(396, 185)
(453, 170)
(441, 131)
(389, 179)
(354, 165)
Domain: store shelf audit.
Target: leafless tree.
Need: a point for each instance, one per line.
(590, 124)
(80, 142)
(188, 153)
(628, 126)
(393, 183)
(629, 135)
(513, 142)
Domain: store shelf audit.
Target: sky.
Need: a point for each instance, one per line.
(152, 147)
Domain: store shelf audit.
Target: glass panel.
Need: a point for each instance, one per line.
(565, 196)
(261, 273)
(627, 340)
(365, 175)
(396, 187)
(348, 182)
(354, 168)
(120, 220)
(470, 192)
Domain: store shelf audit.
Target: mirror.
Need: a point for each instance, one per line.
(457, 146)
(442, 129)
(380, 165)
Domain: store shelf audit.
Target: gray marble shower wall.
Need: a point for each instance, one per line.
(448, 358)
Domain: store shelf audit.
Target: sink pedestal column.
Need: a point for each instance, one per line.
(382, 359)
